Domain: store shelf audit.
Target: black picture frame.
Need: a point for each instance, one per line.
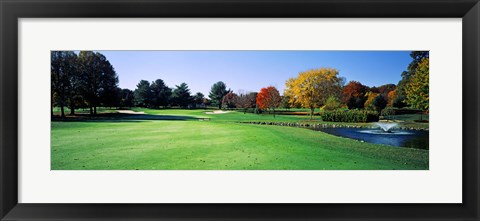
(12, 10)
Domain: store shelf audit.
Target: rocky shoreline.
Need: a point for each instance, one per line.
(323, 125)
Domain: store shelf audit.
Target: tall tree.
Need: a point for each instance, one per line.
(246, 100)
(370, 97)
(198, 98)
(379, 103)
(332, 103)
(285, 102)
(109, 92)
(99, 79)
(181, 95)
(161, 94)
(391, 97)
(312, 88)
(217, 91)
(417, 91)
(75, 98)
(126, 98)
(353, 94)
(386, 88)
(64, 79)
(143, 94)
(417, 57)
(230, 100)
(269, 98)
(110, 97)
(90, 66)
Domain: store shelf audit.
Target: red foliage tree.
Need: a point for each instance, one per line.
(269, 98)
(385, 89)
(229, 100)
(246, 100)
(354, 90)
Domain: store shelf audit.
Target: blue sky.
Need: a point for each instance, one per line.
(252, 70)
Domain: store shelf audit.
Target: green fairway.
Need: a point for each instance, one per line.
(217, 142)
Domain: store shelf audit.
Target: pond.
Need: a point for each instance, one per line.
(400, 138)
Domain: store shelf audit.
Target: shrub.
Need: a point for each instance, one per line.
(388, 111)
(352, 116)
(332, 103)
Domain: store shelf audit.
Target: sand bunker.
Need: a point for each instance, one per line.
(218, 112)
(129, 112)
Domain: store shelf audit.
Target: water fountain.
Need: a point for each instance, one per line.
(387, 133)
(386, 126)
(385, 129)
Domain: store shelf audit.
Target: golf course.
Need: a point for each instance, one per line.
(239, 110)
(203, 140)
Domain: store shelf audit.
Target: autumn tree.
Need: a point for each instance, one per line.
(386, 88)
(417, 56)
(391, 97)
(311, 88)
(246, 100)
(217, 91)
(353, 94)
(230, 100)
(269, 98)
(417, 90)
(332, 103)
(370, 97)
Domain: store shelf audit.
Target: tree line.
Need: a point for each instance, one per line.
(158, 95)
(324, 88)
(88, 80)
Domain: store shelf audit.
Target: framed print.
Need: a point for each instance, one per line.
(239, 110)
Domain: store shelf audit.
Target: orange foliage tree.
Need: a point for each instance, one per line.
(269, 98)
(353, 94)
(370, 98)
(391, 97)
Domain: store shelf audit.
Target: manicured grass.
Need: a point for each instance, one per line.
(216, 144)
(232, 116)
(56, 110)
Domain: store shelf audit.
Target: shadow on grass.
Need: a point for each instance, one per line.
(119, 117)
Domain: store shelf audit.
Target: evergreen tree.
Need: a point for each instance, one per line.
(181, 95)
(143, 94)
(161, 94)
(217, 92)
